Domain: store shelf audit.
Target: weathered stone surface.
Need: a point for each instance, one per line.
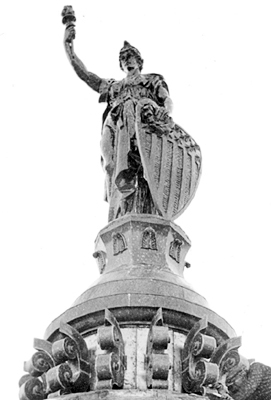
(143, 240)
(140, 275)
(252, 383)
(145, 359)
(133, 395)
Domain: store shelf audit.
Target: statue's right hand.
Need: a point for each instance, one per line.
(69, 35)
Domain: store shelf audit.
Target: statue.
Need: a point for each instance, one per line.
(141, 328)
(152, 165)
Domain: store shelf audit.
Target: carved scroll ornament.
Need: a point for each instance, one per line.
(157, 360)
(56, 368)
(210, 370)
(110, 365)
(198, 373)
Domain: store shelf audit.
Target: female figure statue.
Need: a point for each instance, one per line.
(138, 109)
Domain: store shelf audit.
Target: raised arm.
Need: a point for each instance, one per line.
(91, 79)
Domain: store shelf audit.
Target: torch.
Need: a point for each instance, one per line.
(68, 19)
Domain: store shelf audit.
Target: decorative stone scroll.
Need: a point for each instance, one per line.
(73, 350)
(157, 361)
(198, 373)
(210, 370)
(56, 369)
(110, 365)
(226, 357)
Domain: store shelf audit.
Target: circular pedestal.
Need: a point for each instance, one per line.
(141, 261)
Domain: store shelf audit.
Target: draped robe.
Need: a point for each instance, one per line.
(126, 189)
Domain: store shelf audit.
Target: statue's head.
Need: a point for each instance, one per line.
(128, 51)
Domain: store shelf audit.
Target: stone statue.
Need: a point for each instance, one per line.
(152, 165)
(141, 328)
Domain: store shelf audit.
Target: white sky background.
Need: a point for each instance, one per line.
(215, 57)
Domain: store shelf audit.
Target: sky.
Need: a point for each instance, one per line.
(215, 58)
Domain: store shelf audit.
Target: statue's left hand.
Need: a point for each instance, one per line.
(162, 114)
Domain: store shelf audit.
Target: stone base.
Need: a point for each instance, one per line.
(134, 395)
(141, 327)
(141, 260)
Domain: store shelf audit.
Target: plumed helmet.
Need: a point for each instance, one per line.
(128, 48)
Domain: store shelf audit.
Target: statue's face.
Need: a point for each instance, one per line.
(128, 61)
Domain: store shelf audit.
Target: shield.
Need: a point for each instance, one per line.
(171, 159)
